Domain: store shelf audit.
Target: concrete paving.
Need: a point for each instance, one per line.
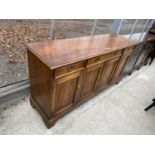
(118, 110)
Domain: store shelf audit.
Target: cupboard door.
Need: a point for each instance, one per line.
(66, 91)
(108, 69)
(120, 68)
(90, 81)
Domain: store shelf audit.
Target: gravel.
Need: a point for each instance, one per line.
(14, 34)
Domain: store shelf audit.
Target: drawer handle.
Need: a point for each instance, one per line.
(97, 59)
(70, 68)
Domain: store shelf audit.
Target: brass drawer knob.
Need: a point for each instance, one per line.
(97, 59)
(70, 68)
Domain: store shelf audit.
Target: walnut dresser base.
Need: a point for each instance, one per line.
(66, 73)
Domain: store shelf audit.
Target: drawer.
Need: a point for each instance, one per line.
(128, 50)
(68, 69)
(104, 57)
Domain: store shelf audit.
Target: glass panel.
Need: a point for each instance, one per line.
(70, 28)
(15, 34)
(148, 25)
(13, 56)
(104, 26)
(140, 25)
(126, 26)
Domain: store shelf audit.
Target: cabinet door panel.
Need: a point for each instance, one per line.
(65, 93)
(107, 71)
(120, 68)
(67, 89)
(90, 81)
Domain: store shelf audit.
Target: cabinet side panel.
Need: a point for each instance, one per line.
(40, 83)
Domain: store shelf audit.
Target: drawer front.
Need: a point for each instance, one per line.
(102, 58)
(68, 69)
(128, 50)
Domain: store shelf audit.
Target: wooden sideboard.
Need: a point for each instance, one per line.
(66, 73)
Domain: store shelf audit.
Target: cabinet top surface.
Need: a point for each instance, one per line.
(58, 53)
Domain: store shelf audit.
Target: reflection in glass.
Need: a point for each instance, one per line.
(71, 28)
(104, 26)
(126, 26)
(14, 35)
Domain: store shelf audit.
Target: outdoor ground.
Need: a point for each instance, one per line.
(14, 34)
(118, 110)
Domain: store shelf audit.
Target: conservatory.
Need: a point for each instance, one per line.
(100, 69)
